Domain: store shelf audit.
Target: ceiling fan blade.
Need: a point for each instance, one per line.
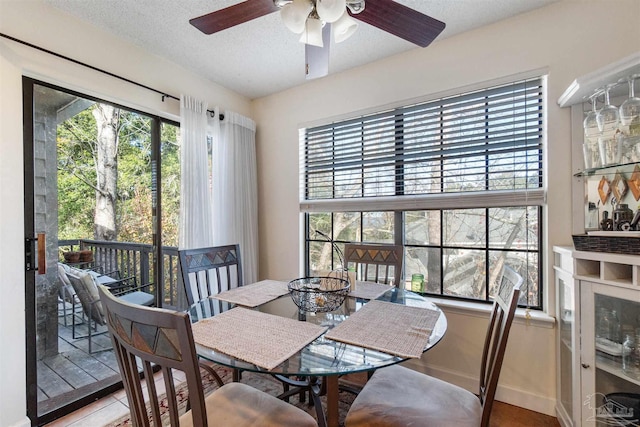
(317, 58)
(400, 20)
(233, 15)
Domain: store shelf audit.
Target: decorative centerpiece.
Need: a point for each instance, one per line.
(318, 294)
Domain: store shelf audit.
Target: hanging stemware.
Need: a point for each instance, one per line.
(590, 124)
(590, 147)
(630, 109)
(608, 117)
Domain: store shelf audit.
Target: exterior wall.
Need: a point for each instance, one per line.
(46, 218)
(559, 40)
(37, 23)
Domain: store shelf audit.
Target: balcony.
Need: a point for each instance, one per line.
(67, 372)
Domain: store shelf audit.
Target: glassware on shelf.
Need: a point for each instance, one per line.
(628, 349)
(590, 123)
(630, 109)
(610, 149)
(631, 355)
(608, 118)
(603, 327)
(590, 147)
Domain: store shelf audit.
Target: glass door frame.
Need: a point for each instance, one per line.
(28, 92)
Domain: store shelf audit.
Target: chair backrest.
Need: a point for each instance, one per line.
(504, 308)
(375, 263)
(65, 289)
(209, 271)
(153, 337)
(86, 289)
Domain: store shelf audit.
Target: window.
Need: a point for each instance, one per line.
(457, 180)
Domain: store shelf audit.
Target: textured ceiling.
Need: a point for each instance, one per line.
(261, 57)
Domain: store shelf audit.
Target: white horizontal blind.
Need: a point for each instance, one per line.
(487, 141)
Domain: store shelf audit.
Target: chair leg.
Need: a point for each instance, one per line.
(211, 371)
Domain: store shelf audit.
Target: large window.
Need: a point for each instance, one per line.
(457, 180)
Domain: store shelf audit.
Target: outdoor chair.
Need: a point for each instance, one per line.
(85, 285)
(209, 271)
(162, 340)
(397, 396)
(375, 263)
(68, 302)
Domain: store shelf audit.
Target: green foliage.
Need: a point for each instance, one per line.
(76, 142)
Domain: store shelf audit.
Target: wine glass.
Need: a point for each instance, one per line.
(590, 147)
(590, 124)
(630, 109)
(608, 117)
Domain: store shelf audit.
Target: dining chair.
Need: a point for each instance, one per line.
(206, 272)
(375, 262)
(397, 396)
(209, 271)
(161, 340)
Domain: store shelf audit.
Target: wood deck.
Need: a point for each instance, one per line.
(73, 372)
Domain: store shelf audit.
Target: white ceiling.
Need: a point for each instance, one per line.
(261, 57)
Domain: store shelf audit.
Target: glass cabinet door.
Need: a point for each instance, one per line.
(611, 355)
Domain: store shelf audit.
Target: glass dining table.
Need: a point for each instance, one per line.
(318, 365)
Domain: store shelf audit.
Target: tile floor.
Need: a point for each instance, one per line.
(107, 409)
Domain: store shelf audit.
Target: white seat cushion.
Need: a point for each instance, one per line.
(398, 396)
(240, 405)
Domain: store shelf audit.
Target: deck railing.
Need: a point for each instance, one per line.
(136, 260)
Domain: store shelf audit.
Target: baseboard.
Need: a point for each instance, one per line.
(513, 396)
(25, 422)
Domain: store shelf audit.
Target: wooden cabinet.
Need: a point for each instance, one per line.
(598, 305)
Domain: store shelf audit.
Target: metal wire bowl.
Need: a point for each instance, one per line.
(318, 294)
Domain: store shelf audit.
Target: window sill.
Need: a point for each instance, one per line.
(535, 318)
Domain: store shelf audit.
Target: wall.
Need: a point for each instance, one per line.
(566, 39)
(39, 24)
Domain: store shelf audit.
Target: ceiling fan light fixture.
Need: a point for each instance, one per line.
(355, 6)
(344, 28)
(295, 14)
(330, 10)
(312, 33)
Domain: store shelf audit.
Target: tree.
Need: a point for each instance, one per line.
(106, 162)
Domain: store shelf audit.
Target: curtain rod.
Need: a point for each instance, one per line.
(75, 61)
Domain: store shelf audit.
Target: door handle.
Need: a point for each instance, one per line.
(35, 255)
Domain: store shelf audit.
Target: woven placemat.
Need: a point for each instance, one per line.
(266, 340)
(384, 326)
(368, 290)
(255, 294)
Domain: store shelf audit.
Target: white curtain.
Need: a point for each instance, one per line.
(196, 228)
(234, 188)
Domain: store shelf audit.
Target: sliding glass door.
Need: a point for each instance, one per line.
(95, 182)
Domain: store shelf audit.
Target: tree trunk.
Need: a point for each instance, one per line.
(107, 121)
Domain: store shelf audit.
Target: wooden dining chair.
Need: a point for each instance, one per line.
(209, 271)
(206, 272)
(397, 396)
(375, 263)
(162, 340)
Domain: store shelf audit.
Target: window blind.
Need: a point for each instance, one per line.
(485, 141)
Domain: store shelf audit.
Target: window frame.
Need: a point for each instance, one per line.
(401, 202)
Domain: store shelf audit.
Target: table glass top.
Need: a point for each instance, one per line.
(322, 357)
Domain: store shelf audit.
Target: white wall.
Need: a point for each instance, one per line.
(566, 39)
(41, 25)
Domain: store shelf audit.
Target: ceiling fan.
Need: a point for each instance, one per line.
(315, 20)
